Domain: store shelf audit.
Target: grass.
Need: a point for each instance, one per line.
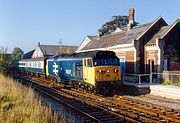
(18, 104)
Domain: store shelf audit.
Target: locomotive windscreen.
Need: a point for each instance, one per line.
(105, 61)
(105, 54)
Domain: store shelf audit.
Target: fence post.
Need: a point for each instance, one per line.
(123, 78)
(139, 80)
(171, 77)
(150, 78)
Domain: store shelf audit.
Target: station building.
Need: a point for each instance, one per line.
(146, 48)
(49, 50)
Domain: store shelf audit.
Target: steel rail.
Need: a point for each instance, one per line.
(123, 109)
(160, 115)
(89, 103)
(38, 88)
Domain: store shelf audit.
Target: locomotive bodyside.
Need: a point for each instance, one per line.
(65, 69)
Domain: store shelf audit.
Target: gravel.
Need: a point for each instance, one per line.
(158, 100)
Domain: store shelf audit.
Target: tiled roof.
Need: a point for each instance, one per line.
(28, 54)
(91, 37)
(122, 37)
(50, 50)
(160, 33)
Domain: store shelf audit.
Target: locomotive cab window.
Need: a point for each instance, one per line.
(89, 63)
(85, 62)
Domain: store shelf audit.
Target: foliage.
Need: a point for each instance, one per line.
(65, 50)
(166, 82)
(116, 22)
(4, 62)
(19, 105)
(178, 20)
(3, 49)
(17, 54)
(5, 59)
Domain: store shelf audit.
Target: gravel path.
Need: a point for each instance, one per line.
(158, 100)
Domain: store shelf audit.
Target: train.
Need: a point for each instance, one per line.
(93, 71)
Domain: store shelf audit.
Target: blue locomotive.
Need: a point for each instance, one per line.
(95, 71)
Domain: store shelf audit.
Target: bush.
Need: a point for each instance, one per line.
(166, 82)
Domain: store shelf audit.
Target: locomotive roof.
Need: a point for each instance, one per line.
(92, 54)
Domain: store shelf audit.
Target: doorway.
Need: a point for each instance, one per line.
(151, 65)
(122, 65)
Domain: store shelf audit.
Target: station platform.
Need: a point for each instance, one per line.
(142, 88)
(167, 91)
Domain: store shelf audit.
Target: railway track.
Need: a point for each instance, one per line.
(169, 114)
(87, 112)
(119, 109)
(142, 111)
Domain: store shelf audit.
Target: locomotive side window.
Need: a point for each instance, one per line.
(89, 63)
(79, 70)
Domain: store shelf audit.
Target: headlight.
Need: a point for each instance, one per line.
(115, 70)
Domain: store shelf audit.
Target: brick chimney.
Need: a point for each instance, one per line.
(131, 19)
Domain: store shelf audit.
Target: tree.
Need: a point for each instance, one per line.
(65, 50)
(3, 49)
(5, 59)
(69, 50)
(17, 54)
(116, 22)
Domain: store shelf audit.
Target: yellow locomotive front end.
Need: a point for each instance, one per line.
(107, 73)
(103, 72)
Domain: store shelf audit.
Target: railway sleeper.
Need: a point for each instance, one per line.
(107, 119)
(102, 116)
(148, 120)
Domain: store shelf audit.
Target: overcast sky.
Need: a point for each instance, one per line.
(24, 23)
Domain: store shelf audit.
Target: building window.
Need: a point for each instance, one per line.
(165, 64)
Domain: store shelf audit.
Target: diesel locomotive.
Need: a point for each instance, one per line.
(94, 71)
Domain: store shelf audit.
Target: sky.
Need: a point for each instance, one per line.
(24, 23)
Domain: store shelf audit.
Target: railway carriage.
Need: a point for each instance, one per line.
(94, 70)
(33, 66)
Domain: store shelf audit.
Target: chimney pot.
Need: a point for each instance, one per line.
(131, 15)
(131, 18)
(39, 43)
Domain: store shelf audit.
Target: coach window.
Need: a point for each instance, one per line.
(89, 63)
(39, 64)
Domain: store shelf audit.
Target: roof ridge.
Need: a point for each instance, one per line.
(171, 27)
(124, 31)
(155, 21)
